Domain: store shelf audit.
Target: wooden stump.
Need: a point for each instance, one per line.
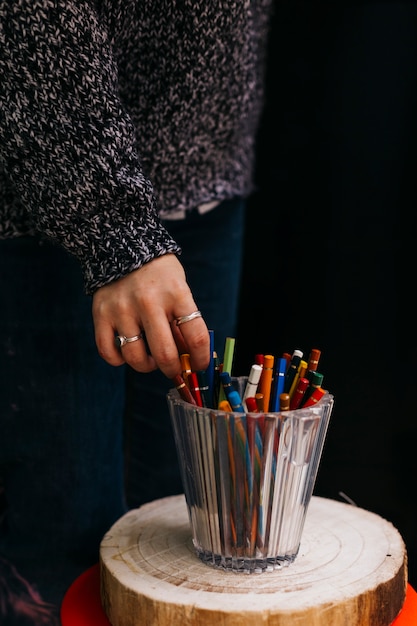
(351, 570)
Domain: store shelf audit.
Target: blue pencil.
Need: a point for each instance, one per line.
(279, 383)
(210, 369)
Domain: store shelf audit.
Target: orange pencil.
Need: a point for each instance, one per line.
(224, 405)
(186, 367)
(265, 382)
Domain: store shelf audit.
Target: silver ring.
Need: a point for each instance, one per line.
(187, 318)
(121, 340)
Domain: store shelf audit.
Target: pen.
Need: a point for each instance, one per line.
(183, 390)
(232, 395)
(226, 383)
(252, 382)
(235, 401)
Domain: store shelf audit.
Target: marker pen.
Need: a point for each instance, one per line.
(252, 382)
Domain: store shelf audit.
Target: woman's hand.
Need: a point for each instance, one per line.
(150, 299)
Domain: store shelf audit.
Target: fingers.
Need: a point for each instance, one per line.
(193, 338)
(118, 349)
(138, 356)
(158, 346)
(135, 320)
(166, 342)
(115, 326)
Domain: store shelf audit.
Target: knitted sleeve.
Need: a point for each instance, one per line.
(66, 142)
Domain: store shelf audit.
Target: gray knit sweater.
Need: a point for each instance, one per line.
(112, 111)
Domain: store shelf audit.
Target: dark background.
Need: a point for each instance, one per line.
(331, 238)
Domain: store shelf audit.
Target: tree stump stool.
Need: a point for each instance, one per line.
(351, 569)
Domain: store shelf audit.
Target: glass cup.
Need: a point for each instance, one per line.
(248, 479)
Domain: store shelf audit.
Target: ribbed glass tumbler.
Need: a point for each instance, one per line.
(248, 480)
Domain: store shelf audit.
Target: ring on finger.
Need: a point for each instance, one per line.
(187, 318)
(122, 340)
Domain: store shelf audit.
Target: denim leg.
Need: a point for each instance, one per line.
(212, 247)
(61, 410)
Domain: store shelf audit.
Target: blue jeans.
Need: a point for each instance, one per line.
(61, 405)
(212, 247)
(61, 412)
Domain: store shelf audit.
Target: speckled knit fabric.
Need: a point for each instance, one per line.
(113, 111)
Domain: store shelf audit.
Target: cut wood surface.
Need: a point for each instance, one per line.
(351, 570)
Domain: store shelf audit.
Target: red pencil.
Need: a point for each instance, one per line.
(317, 395)
(183, 390)
(251, 405)
(299, 392)
(313, 359)
(195, 388)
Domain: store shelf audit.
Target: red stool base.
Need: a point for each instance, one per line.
(82, 604)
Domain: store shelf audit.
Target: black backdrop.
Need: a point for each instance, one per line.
(331, 238)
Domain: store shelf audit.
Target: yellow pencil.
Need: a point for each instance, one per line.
(302, 368)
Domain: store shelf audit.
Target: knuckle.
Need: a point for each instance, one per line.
(140, 365)
(199, 340)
